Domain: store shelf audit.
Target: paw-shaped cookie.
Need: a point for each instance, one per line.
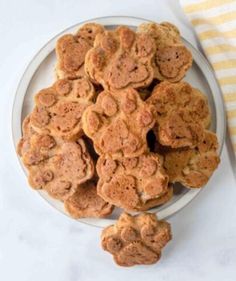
(59, 108)
(133, 183)
(71, 50)
(121, 58)
(172, 58)
(179, 130)
(54, 165)
(118, 123)
(182, 114)
(192, 167)
(34, 148)
(136, 240)
(86, 203)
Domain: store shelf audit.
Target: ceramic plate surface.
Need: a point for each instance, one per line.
(40, 74)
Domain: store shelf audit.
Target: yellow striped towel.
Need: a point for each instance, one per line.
(215, 24)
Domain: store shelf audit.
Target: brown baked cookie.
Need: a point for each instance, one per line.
(54, 165)
(85, 202)
(137, 183)
(71, 50)
(192, 167)
(118, 123)
(34, 148)
(182, 114)
(172, 58)
(120, 59)
(59, 108)
(136, 240)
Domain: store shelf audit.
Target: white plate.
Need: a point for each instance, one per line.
(40, 74)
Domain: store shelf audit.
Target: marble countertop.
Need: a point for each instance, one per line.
(37, 242)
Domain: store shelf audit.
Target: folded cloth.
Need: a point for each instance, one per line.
(215, 24)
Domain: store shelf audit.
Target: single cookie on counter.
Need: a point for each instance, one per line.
(71, 50)
(58, 109)
(118, 123)
(136, 240)
(135, 184)
(54, 165)
(121, 58)
(172, 59)
(192, 167)
(182, 114)
(86, 203)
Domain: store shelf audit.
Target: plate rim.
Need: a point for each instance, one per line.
(46, 49)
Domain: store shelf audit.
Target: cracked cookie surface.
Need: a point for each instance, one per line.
(172, 58)
(58, 109)
(192, 167)
(54, 165)
(71, 50)
(118, 123)
(121, 58)
(136, 240)
(86, 203)
(182, 114)
(137, 183)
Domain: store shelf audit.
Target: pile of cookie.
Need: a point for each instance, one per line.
(118, 128)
